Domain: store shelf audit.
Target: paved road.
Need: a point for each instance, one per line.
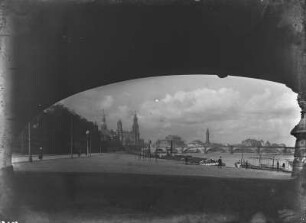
(25, 158)
(131, 164)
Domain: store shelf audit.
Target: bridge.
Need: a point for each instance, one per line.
(261, 149)
(244, 149)
(53, 49)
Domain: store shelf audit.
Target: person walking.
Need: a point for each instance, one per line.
(277, 165)
(220, 162)
(40, 153)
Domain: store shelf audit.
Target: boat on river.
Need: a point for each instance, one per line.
(270, 163)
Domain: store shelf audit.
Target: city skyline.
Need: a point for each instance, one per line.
(232, 108)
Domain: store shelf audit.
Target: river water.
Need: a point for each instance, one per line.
(252, 158)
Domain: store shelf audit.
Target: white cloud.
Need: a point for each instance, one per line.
(106, 102)
(231, 116)
(271, 103)
(191, 105)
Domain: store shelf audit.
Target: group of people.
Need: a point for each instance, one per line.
(277, 165)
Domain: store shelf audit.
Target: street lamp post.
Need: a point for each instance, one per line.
(87, 147)
(71, 137)
(36, 125)
(149, 146)
(259, 156)
(29, 139)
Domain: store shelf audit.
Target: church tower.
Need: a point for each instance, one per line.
(120, 130)
(103, 124)
(207, 137)
(135, 130)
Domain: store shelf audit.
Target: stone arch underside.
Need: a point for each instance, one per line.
(50, 50)
(58, 48)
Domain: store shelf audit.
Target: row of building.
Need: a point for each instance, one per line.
(178, 142)
(177, 145)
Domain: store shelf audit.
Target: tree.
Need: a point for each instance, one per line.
(55, 129)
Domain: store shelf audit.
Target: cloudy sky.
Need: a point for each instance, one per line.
(233, 108)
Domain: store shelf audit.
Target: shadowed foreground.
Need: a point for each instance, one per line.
(102, 197)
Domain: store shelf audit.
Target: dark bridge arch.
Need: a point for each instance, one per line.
(53, 49)
(61, 48)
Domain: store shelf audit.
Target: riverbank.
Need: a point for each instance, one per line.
(231, 159)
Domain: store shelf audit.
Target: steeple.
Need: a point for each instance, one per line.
(207, 136)
(135, 117)
(119, 125)
(135, 129)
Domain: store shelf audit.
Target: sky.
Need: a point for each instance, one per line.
(233, 108)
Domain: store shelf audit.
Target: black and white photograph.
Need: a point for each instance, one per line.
(155, 111)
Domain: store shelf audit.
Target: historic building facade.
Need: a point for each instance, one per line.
(124, 137)
(129, 137)
(105, 133)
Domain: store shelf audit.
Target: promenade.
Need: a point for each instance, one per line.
(132, 164)
(17, 158)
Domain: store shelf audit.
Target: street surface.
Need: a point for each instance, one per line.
(132, 164)
(16, 158)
